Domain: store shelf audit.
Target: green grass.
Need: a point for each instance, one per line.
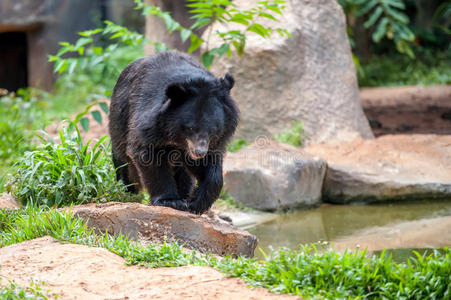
(305, 272)
(227, 202)
(293, 135)
(236, 145)
(396, 70)
(66, 172)
(15, 292)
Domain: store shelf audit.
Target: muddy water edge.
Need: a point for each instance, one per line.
(331, 223)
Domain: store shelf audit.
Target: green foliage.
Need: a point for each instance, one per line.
(330, 275)
(236, 145)
(442, 17)
(91, 55)
(19, 116)
(15, 292)
(32, 223)
(306, 272)
(207, 12)
(228, 202)
(292, 136)
(392, 70)
(386, 19)
(92, 80)
(68, 172)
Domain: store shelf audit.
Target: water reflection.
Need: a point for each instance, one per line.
(330, 222)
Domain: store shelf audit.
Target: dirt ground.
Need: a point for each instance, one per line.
(81, 272)
(408, 109)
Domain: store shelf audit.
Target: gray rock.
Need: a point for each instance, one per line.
(159, 224)
(274, 176)
(391, 167)
(309, 77)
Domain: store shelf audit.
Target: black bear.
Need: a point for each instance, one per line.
(170, 120)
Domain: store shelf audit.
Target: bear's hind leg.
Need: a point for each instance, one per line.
(123, 172)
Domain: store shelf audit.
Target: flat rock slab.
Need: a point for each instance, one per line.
(81, 272)
(427, 233)
(271, 176)
(157, 224)
(408, 109)
(391, 167)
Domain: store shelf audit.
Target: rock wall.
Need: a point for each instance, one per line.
(308, 78)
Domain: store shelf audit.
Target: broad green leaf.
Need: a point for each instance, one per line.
(374, 17)
(207, 59)
(104, 107)
(195, 43)
(381, 29)
(185, 34)
(97, 116)
(84, 124)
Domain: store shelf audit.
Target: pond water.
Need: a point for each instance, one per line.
(332, 222)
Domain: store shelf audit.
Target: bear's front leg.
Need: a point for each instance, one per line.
(156, 175)
(209, 184)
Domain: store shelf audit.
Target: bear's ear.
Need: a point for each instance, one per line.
(176, 92)
(228, 81)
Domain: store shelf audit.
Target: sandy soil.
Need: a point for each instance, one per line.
(82, 272)
(7, 201)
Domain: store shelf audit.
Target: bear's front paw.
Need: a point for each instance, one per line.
(179, 204)
(197, 208)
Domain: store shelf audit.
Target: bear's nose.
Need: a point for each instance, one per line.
(200, 151)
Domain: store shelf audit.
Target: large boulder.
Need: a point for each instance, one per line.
(159, 224)
(272, 176)
(309, 77)
(391, 167)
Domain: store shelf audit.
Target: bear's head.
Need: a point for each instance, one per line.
(199, 113)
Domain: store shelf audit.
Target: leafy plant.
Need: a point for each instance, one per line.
(292, 136)
(429, 68)
(385, 18)
(205, 12)
(69, 172)
(236, 145)
(19, 116)
(228, 202)
(14, 291)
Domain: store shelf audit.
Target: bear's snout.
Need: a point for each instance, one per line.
(198, 147)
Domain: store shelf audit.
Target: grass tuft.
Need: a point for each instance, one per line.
(65, 173)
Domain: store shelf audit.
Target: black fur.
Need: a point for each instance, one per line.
(170, 121)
